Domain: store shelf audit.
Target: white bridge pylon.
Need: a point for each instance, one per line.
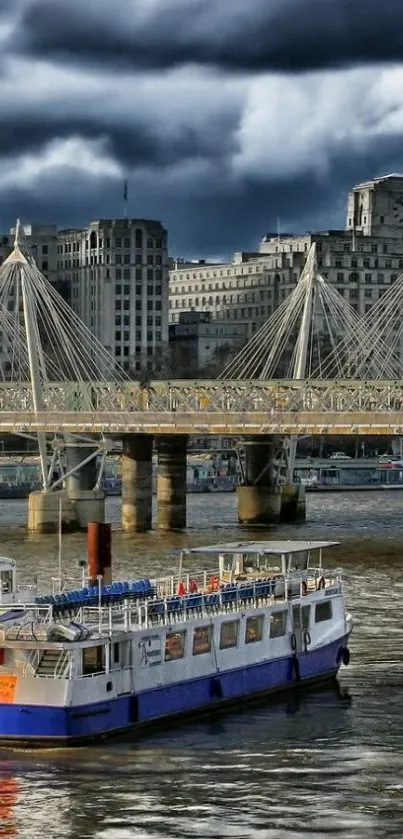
(315, 333)
(43, 340)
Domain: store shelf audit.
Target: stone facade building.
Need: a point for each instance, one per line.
(116, 271)
(360, 261)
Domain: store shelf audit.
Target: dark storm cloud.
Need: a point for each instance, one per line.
(258, 35)
(211, 218)
(132, 144)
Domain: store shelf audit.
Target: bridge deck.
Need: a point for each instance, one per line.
(202, 407)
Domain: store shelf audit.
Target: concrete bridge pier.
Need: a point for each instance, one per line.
(293, 503)
(88, 503)
(76, 504)
(259, 498)
(171, 482)
(137, 482)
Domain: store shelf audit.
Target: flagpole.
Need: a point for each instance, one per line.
(125, 199)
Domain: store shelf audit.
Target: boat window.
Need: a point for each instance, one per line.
(6, 581)
(299, 561)
(93, 660)
(175, 645)
(115, 653)
(229, 634)
(202, 640)
(323, 611)
(254, 629)
(278, 624)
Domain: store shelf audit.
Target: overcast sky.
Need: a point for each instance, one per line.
(223, 115)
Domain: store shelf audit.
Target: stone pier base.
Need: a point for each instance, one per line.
(137, 482)
(259, 504)
(293, 503)
(44, 512)
(171, 482)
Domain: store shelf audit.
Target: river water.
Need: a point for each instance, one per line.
(327, 765)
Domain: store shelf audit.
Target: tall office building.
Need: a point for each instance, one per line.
(116, 271)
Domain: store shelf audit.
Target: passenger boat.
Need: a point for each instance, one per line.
(87, 663)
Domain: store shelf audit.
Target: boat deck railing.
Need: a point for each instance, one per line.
(125, 612)
(230, 598)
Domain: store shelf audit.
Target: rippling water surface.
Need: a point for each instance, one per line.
(329, 764)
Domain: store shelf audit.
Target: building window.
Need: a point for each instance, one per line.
(139, 239)
(254, 629)
(150, 259)
(374, 248)
(118, 289)
(229, 634)
(118, 336)
(202, 640)
(323, 611)
(126, 243)
(126, 289)
(278, 624)
(45, 249)
(118, 243)
(150, 243)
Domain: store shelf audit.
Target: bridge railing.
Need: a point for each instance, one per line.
(184, 397)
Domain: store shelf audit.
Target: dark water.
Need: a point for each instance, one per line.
(329, 765)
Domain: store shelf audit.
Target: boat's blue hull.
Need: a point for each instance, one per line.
(48, 725)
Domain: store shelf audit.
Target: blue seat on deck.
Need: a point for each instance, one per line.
(156, 608)
(212, 599)
(193, 601)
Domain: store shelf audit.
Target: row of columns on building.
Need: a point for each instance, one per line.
(261, 500)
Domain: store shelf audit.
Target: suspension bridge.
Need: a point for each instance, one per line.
(315, 367)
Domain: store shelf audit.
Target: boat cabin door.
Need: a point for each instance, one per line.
(300, 617)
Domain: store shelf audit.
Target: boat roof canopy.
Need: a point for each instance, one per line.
(6, 563)
(279, 548)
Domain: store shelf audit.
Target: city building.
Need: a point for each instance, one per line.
(360, 261)
(42, 241)
(199, 343)
(116, 271)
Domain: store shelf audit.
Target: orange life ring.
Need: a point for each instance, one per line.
(304, 588)
(214, 584)
(321, 583)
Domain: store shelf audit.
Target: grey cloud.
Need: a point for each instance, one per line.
(203, 218)
(132, 144)
(261, 35)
